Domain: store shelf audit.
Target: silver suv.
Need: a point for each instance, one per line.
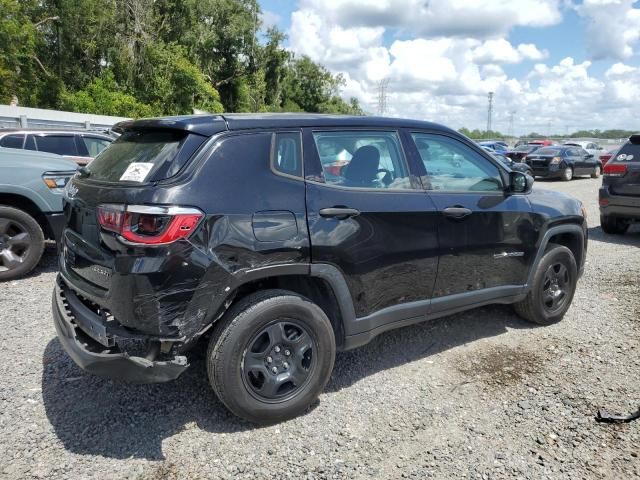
(79, 146)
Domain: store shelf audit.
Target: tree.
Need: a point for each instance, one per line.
(103, 96)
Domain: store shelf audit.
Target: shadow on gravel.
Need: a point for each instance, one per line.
(48, 263)
(632, 237)
(415, 342)
(94, 416)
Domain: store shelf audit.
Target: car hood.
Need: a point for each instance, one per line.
(14, 158)
(554, 204)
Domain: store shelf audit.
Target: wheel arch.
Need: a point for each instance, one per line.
(571, 236)
(323, 284)
(21, 202)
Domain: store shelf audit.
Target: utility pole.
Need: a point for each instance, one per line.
(489, 112)
(511, 116)
(382, 96)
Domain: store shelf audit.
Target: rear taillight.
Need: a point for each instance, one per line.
(615, 170)
(149, 225)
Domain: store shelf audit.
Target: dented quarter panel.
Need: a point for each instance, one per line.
(176, 290)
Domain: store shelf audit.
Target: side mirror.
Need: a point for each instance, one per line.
(520, 182)
(588, 155)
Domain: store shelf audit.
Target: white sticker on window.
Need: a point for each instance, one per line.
(136, 172)
(629, 157)
(622, 157)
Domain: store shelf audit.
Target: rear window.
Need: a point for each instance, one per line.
(548, 151)
(144, 156)
(629, 152)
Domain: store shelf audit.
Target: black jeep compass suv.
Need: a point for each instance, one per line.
(283, 238)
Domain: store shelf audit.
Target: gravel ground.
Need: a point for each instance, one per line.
(477, 395)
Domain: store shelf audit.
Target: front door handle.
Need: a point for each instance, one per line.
(341, 213)
(457, 212)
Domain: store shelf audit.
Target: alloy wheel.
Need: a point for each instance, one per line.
(555, 287)
(15, 243)
(279, 361)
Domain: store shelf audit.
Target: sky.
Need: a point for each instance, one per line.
(555, 66)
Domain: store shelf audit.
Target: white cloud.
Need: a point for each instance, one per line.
(613, 28)
(446, 78)
(501, 51)
(432, 18)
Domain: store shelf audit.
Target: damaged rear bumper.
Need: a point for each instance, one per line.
(94, 357)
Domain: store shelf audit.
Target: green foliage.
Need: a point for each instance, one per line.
(481, 134)
(103, 97)
(138, 58)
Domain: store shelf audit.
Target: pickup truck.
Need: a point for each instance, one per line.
(31, 191)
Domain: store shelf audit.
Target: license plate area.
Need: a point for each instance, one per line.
(89, 322)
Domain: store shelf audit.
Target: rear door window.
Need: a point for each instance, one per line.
(12, 141)
(362, 159)
(144, 155)
(58, 144)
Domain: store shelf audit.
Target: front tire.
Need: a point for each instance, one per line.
(613, 225)
(552, 289)
(567, 174)
(271, 356)
(21, 243)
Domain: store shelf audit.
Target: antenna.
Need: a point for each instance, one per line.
(382, 96)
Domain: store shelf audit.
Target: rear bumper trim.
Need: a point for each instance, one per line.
(117, 366)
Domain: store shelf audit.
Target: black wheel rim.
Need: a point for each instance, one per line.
(279, 361)
(15, 243)
(555, 287)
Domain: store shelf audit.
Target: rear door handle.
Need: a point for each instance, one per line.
(457, 212)
(341, 213)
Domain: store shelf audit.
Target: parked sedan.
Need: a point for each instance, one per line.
(499, 147)
(563, 162)
(507, 162)
(519, 153)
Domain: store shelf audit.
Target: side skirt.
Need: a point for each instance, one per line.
(417, 312)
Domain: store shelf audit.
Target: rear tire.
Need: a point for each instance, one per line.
(552, 289)
(267, 330)
(21, 243)
(567, 174)
(596, 172)
(613, 225)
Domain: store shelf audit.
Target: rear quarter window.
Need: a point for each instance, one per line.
(144, 156)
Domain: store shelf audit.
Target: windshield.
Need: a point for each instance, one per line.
(526, 148)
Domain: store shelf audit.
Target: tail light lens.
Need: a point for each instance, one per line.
(149, 225)
(615, 170)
